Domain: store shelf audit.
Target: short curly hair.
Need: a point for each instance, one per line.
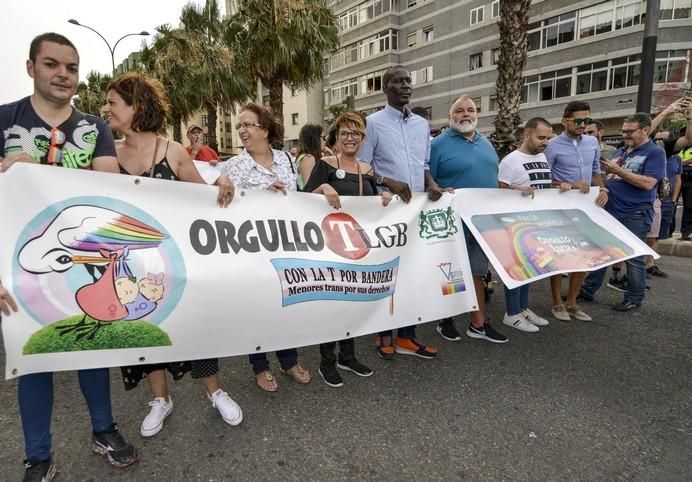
(269, 122)
(350, 117)
(147, 96)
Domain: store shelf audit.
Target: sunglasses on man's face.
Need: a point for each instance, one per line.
(586, 121)
(57, 141)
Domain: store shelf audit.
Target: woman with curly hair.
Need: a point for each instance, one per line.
(260, 167)
(137, 108)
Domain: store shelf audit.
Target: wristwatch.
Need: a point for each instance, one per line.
(379, 180)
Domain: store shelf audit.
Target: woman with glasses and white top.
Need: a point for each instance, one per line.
(333, 176)
(259, 166)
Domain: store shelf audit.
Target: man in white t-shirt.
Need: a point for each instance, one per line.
(527, 170)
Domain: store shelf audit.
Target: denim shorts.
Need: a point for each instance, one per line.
(477, 258)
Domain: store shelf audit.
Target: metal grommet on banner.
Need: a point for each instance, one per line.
(141, 359)
(258, 348)
(242, 193)
(348, 333)
(420, 319)
(14, 371)
(137, 181)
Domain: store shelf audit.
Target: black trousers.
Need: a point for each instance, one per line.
(347, 350)
(686, 225)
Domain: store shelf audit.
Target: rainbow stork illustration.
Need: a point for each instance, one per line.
(98, 239)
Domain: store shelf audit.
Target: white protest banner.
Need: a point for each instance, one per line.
(528, 239)
(112, 270)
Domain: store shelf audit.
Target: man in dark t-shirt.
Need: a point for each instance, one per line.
(631, 179)
(44, 128)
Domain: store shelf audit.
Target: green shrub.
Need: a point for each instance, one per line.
(119, 334)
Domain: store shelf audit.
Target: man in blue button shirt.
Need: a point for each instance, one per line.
(461, 157)
(397, 144)
(631, 178)
(574, 162)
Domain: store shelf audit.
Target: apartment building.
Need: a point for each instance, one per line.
(578, 50)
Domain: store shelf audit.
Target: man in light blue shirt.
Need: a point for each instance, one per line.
(397, 144)
(574, 160)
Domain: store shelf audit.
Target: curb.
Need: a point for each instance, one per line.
(674, 247)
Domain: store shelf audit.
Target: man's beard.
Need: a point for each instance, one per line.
(464, 127)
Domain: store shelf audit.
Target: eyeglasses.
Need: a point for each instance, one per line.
(245, 125)
(629, 132)
(586, 121)
(352, 134)
(57, 141)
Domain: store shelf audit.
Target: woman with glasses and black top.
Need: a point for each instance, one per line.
(334, 176)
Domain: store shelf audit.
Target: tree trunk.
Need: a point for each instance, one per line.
(276, 98)
(513, 24)
(211, 126)
(177, 131)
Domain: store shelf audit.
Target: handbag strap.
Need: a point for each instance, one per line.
(360, 181)
(153, 159)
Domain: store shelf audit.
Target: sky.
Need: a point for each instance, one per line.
(22, 20)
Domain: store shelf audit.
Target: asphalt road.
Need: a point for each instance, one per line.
(604, 400)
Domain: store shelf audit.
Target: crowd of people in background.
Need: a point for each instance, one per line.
(389, 153)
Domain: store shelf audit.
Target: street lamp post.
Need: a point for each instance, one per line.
(143, 33)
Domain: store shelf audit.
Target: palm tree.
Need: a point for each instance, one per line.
(202, 50)
(162, 60)
(513, 25)
(282, 41)
(91, 95)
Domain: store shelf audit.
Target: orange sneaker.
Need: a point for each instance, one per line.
(384, 351)
(411, 346)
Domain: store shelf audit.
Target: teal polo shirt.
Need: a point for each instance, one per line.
(457, 162)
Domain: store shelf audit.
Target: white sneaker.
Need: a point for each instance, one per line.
(229, 410)
(532, 317)
(520, 323)
(153, 423)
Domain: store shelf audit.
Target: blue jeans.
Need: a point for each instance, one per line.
(667, 219)
(287, 359)
(517, 300)
(639, 224)
(36, 407)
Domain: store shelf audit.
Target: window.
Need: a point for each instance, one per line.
(610, 15)
(671, 66)
(361, 13)
(205, 120)
(552, 31)
(228, 127)
(475, 61)
(294, 119)
(221, 143)
(477, 101)
(495, 56)
(411, 39)
(547, 86)
(624, 72)
(672, 9)
(294, 91)
(592, 77)
(428, 34)
(494, 106)
(363, 49)
(205, 139)
(427, 74)
(495, 9)
(410, 3)
(477, 15)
